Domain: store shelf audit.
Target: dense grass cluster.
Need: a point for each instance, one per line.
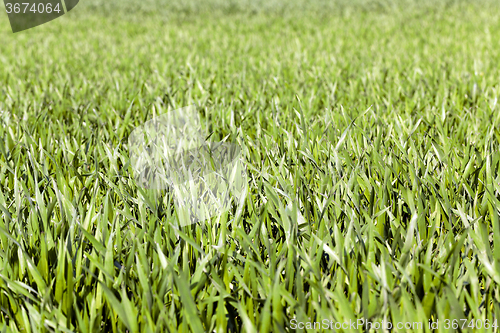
(371, 139)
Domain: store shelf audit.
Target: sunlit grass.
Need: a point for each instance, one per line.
(371, 143)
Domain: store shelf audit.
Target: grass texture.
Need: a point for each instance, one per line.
(370, 133)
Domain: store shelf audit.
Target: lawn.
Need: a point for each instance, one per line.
(370, 135)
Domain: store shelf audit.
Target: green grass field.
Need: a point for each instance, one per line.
(369, 129)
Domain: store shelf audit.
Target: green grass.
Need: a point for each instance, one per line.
(371, 137)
